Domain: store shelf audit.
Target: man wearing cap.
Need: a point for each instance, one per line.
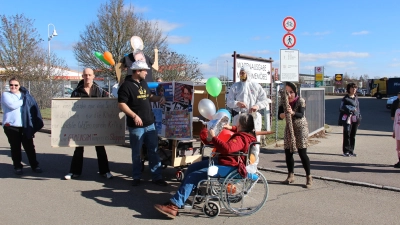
(247, 96)
(134, 99)
(395, 106)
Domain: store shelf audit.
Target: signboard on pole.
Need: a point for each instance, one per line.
(289, 65)
(260, 72)
(319, 76)
(338, 78)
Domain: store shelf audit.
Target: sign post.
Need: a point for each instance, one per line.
(319, 76)
(289, 58)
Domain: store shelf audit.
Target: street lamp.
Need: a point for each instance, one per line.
(49, 38)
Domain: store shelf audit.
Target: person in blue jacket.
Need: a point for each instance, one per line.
(21, 120)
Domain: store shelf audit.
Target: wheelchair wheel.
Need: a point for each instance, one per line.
(212, 210)
(244, 196)
(179, 175)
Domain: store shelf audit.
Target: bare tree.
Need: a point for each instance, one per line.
(20, 53)
(178, 67)
(21, 56)
(112, 31)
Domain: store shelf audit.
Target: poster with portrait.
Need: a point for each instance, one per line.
(173, 120)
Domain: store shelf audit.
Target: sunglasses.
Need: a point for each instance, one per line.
(15, 85)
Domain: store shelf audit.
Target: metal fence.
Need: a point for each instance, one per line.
(315, 108)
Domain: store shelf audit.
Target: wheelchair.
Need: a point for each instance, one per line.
(229, 190)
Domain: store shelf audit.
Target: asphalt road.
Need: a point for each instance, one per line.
(374, 114)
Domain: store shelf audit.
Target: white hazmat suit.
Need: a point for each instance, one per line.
(250, 93)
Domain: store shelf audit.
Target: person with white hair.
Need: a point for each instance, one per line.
(247, 96)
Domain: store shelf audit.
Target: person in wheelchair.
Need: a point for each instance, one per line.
(240, 141)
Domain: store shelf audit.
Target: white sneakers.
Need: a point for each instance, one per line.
(108, 175)
(70, 176)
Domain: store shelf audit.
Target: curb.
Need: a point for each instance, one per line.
(350, 182)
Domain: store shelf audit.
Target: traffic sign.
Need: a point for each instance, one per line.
(289, 24)
(289, 40)
(289, 65)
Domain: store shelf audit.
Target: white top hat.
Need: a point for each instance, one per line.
(139, 65)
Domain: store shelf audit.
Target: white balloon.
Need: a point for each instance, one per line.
(207, 108)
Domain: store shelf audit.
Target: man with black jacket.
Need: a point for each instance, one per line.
(395, 106)
(87, 88)
(134, 99)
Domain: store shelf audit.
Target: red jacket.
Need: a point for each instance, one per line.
(238, 142)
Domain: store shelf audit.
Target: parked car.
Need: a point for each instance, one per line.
(361, 91)
(390, 101)
(340, 90)
(67, 93)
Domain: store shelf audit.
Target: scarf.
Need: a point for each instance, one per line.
(292, 103)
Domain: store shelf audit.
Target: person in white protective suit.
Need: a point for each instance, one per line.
(247, 96)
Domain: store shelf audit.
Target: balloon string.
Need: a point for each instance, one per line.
(216, 100)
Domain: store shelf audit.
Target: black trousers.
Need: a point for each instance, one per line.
(77, 160)
(15, 138)
(304, 160)
(349, 137)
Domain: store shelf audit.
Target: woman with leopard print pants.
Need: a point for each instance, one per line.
(300, 127)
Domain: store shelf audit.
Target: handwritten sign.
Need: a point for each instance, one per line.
(86, 122)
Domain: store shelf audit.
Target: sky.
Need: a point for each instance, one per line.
(356, 37)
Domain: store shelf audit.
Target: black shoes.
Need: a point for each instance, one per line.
(37, 170)
(18, 171)
(136, 182)
(397, 165)
(160, 182)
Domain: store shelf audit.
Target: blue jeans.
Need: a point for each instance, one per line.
(148, 136)
(192, 179)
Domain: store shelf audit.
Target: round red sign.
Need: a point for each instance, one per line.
(289, 40)
(289, 24)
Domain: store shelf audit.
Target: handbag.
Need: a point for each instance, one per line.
(212, 169)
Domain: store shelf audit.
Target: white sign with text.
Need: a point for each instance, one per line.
(260, 72)
(86, 122)
(289, 65)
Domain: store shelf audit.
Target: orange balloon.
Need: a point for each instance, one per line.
(109, 58)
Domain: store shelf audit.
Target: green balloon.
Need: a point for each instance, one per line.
(101, 57)
(213, 86)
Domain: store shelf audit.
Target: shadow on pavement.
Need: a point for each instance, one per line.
(116, 192)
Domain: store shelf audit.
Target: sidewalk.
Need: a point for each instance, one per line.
(373, 166)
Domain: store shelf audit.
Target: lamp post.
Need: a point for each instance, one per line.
(49, 39)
